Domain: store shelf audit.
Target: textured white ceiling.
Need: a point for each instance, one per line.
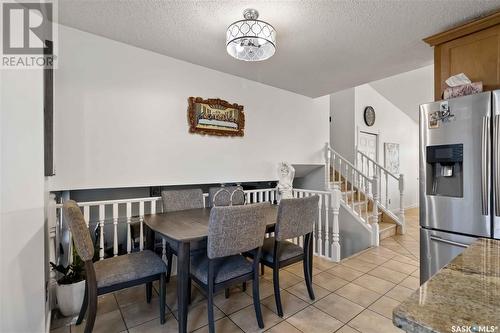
(322, 46)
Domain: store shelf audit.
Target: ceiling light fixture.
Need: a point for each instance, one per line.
(251, 39)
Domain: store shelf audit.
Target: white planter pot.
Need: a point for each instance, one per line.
(70, 297)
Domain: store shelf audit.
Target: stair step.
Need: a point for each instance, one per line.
(386, 230)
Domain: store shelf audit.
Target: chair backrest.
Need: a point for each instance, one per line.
(238, 197)
(213, 190)
(175, 200)
(222, 198)
(235, 229)
(296, 217)
(81, 235)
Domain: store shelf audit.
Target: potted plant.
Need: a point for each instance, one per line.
(71, 286)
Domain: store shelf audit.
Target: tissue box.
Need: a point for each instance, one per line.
(466, 89)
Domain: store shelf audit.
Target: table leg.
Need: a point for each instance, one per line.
(183, 263)
(150, 238)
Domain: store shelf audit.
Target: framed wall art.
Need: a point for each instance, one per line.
(391, 157)
(215, 116)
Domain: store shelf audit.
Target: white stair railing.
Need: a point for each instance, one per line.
(390, 186)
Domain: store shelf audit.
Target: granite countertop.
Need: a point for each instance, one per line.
(463, 295)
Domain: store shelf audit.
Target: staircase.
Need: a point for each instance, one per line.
(369, 193)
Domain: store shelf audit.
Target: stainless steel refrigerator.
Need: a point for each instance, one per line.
(459, 177)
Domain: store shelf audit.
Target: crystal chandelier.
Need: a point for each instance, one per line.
(251, 39)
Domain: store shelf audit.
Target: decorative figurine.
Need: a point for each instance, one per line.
(286, 172)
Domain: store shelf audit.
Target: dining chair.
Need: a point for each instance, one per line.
(111, 274)
(221, 198)
(232, 230)
(177, 200)
(212, 191)
(296, 218)
(238, 197)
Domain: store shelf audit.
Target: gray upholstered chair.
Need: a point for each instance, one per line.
(227, 202)
(296, 217)
(111, 274)
(231, 231)
(238, 197)
(222, 198)
(177, 200)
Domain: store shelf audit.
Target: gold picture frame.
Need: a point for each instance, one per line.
(215, 116)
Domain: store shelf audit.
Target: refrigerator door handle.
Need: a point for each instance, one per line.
(496, 157)
(485, 164)
(446, 241)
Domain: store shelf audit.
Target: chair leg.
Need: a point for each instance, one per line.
(256, 301)
(92, 304)
(190, 283)
(244, 286)
(226, 293)
(262, 269)
(163, 295)
(308, 270)
(210, 296)
(84, 304)
(149, 291)
(169, 263)
(277, 296)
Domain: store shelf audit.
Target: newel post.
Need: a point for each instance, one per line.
(401, 214)
(335, 244)
(328, 158)
(374, 220)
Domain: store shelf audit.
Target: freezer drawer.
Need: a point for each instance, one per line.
(437, 249)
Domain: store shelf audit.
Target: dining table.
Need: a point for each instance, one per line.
(187, 231)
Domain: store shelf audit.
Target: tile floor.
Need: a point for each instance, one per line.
(353, 296)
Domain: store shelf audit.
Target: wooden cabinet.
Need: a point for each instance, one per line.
(473, 49)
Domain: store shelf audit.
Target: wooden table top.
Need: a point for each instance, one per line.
(192, 224)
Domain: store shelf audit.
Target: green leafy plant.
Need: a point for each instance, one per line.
(73, 273)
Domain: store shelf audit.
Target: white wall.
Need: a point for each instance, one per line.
(393, 126)
(22, 277)
(342, 136)
(120, 120)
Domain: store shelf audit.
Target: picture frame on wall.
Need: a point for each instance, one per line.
(391, 157)
(215, 116)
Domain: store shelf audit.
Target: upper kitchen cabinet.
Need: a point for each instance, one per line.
(473, 49)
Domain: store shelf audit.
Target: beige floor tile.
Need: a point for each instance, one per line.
(224, 325)
(62, 329)
(291, 304)
(107, 303)
(329, 281)
(358, 294)
(374, 283)
(339, 307)
(388, 274)
(283, 327)
(371, 322)
(236, 301)
(406, 260)
(245, 319)
(411, 282)
(347, 329)
(286, 278)
(298, 270)
(400, 267)
(372, 258)
(300, 290)
(323, 264)
(198, 316)
(382, 252)
(132, 295)
(359, 265)
(416, 274)
(384, 306)
(400, 293)
(141, 312)
(110, 322)
(154, 326)
(266, 288)
(345, 272)
(312, 320)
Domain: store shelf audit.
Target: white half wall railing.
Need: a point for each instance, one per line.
(390, 186)
(113, 222)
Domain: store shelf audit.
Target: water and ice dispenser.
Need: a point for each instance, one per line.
(445, 168)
